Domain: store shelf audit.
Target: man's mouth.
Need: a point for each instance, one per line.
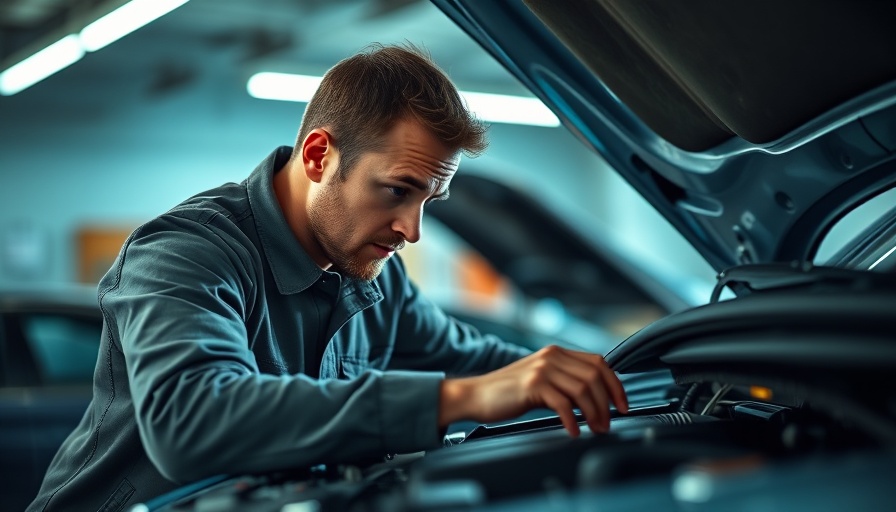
(384, 251)
(391, 245)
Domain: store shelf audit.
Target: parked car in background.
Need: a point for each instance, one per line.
(49, 337)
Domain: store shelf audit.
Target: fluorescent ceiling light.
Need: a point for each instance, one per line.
(495, 108)
(71, 48)
(124, 20)
(42, 64)
(498, 108)
(283, 86)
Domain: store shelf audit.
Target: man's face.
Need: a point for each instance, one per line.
(361, 221)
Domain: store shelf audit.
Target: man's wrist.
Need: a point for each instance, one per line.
(455, 397)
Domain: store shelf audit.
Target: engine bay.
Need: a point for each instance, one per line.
(706, 446)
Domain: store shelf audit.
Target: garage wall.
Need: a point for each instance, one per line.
(56, 183)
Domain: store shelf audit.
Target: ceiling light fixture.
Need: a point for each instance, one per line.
(103, 29)
(124, 20)
(494, 108)
(500, 108)
(282, 86)
(40, 65)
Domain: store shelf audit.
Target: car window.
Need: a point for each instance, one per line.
(857, 229)
(64, 348)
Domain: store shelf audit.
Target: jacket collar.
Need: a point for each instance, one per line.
(292, 267)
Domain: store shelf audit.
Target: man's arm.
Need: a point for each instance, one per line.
(554, 377)
(519, 381)
(177, 309)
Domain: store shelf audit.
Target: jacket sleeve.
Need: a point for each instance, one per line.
(177, 310)
(431, 340)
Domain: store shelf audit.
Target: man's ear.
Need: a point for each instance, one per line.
(318, 154)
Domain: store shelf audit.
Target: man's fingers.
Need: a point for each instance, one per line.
(587, 365)
(562, 406)
(556, 378)
(588, 396)
(615, 389)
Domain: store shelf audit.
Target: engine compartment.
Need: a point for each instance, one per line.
(710, 445)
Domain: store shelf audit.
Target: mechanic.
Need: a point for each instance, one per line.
(269, 325)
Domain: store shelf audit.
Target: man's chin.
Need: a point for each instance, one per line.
(367, 272)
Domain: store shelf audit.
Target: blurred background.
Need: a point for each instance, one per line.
(129, 129)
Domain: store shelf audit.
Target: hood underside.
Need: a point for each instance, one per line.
(701, 73)
(753, 127)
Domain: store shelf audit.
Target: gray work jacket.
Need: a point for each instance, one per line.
(208, 312)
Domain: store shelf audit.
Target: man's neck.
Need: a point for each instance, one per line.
(292, 196)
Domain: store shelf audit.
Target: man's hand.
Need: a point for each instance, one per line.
(554, 377)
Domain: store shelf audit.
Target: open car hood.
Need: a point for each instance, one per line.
(753, 128)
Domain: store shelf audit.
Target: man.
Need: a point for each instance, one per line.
(268, 324)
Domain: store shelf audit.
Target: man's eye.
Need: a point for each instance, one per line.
(397, 191)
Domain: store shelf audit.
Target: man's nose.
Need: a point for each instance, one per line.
(408, 224)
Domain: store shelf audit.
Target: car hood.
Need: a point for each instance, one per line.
(753, 128)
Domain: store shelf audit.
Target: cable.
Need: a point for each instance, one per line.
(690, 396)
(715, 399)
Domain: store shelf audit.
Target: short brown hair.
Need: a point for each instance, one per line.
(363, 96)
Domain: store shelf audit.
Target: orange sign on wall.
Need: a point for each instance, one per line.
(97, 249)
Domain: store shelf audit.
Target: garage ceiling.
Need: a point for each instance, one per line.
(237, 38)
